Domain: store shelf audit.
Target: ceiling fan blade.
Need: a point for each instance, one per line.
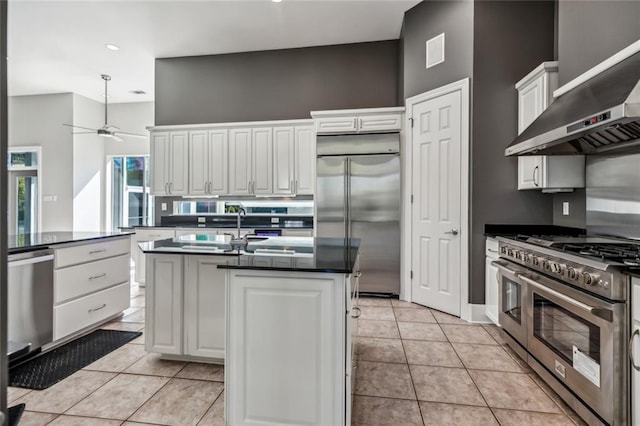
(133, 135)
(118, 138)
(83, 133)
(79, 127)
(111, 128)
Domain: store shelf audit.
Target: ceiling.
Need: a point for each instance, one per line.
(59, 46)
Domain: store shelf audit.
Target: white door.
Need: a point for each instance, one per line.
(198, 162)
(218, 162)
(305, 163)
(159, 163)
(436, 210)
(240, 161)
(262, 161)
(283, 177)
(179, 163)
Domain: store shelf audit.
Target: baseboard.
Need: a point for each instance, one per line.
(475, 313)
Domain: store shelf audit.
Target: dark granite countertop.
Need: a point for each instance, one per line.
(493, 230)
(22, 243)
(633, 272)
(304, 254)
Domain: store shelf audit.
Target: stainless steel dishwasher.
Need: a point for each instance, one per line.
(30, 303)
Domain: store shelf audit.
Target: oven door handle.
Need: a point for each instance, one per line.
(633, 361)
(604, 313)
(501, 265)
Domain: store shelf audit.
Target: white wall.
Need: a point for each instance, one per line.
(88, 166)
(37, 121)
(131, 117)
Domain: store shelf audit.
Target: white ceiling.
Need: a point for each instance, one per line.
(59, 46)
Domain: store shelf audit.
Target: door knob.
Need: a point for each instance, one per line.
(453, 231)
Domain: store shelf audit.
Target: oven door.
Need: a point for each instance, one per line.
(580, 339)
(512, 295)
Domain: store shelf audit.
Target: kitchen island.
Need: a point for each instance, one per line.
(278, 314)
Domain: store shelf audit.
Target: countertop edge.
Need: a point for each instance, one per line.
(19, 250)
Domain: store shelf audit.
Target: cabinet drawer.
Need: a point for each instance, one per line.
(336, 125)
(77, 314)
(154, 234)
(72, 255)
(491, 248)
(79, 280)
(380, 123)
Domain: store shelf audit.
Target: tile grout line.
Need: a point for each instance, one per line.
(413, 385)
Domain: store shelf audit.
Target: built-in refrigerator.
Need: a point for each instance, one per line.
(358, 196)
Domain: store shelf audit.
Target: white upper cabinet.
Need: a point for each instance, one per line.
(262, 161)
(305, 161)
(535, 93)
(551, 173)
(208, 161)
(169, 153)
(240, 161)
(283, 161)
(372, 120)
(266, 158)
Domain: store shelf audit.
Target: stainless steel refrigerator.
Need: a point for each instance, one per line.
(358, 196)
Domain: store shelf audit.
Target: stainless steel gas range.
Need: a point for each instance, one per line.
(564, 307)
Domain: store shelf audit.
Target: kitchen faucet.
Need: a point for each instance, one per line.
(238, 242)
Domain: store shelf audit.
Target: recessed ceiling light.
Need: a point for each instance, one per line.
(276, 1)
(112, 47)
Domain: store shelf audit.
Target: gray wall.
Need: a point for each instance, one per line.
(580, 47)
(510, 39)
(591, 31)
(425, 21)
(495, 43)
(275, 84)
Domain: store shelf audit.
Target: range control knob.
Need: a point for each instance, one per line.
(510, 252)
(572, 273)
(558, 268)
(536, 260)
(545, 265)
(588, 278)
(526, 258)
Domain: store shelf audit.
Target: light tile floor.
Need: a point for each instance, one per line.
(416, 367)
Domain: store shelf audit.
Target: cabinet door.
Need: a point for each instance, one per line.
(239, 161)
(491, 291)
(179, 163)
(163, 316)
(218, 162)
(204, 307)
(283, 160)
(530, 172)
(531, 102)
(333, 125)
(380, 123)
(635, 374)
(305, 162)
(198, 162)
(159, 163)
(262, 161)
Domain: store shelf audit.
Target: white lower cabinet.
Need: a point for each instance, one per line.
(90, 283)
(491, 280)
(143, 235)
(287, 337)
(204, 306)
(163, 301)
(185, 305)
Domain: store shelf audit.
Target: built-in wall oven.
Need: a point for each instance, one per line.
(575, 338)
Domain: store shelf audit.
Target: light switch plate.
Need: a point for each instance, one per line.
(565, 208)
(202, 219)
(163, 207)
(275, 220)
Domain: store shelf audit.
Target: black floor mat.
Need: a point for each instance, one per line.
(15, 413)
(51, 367)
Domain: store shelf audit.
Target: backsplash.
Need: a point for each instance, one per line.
(577, 209)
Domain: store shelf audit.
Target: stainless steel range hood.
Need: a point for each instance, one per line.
(601, 114)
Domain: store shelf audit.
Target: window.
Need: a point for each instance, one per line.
(131, 201)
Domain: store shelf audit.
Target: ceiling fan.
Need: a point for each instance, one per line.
(106, 130)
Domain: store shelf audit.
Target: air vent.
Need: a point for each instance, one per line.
(435, 50)
(138, 92)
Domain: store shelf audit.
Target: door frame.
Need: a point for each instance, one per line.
(463, 86)
(38, 168)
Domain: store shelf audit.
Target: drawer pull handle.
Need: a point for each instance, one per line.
(104, 305)
(355, 309)
(97, 251)
(95, 277)
(633, 361)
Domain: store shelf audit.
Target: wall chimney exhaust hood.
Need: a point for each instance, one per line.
(601, 114)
